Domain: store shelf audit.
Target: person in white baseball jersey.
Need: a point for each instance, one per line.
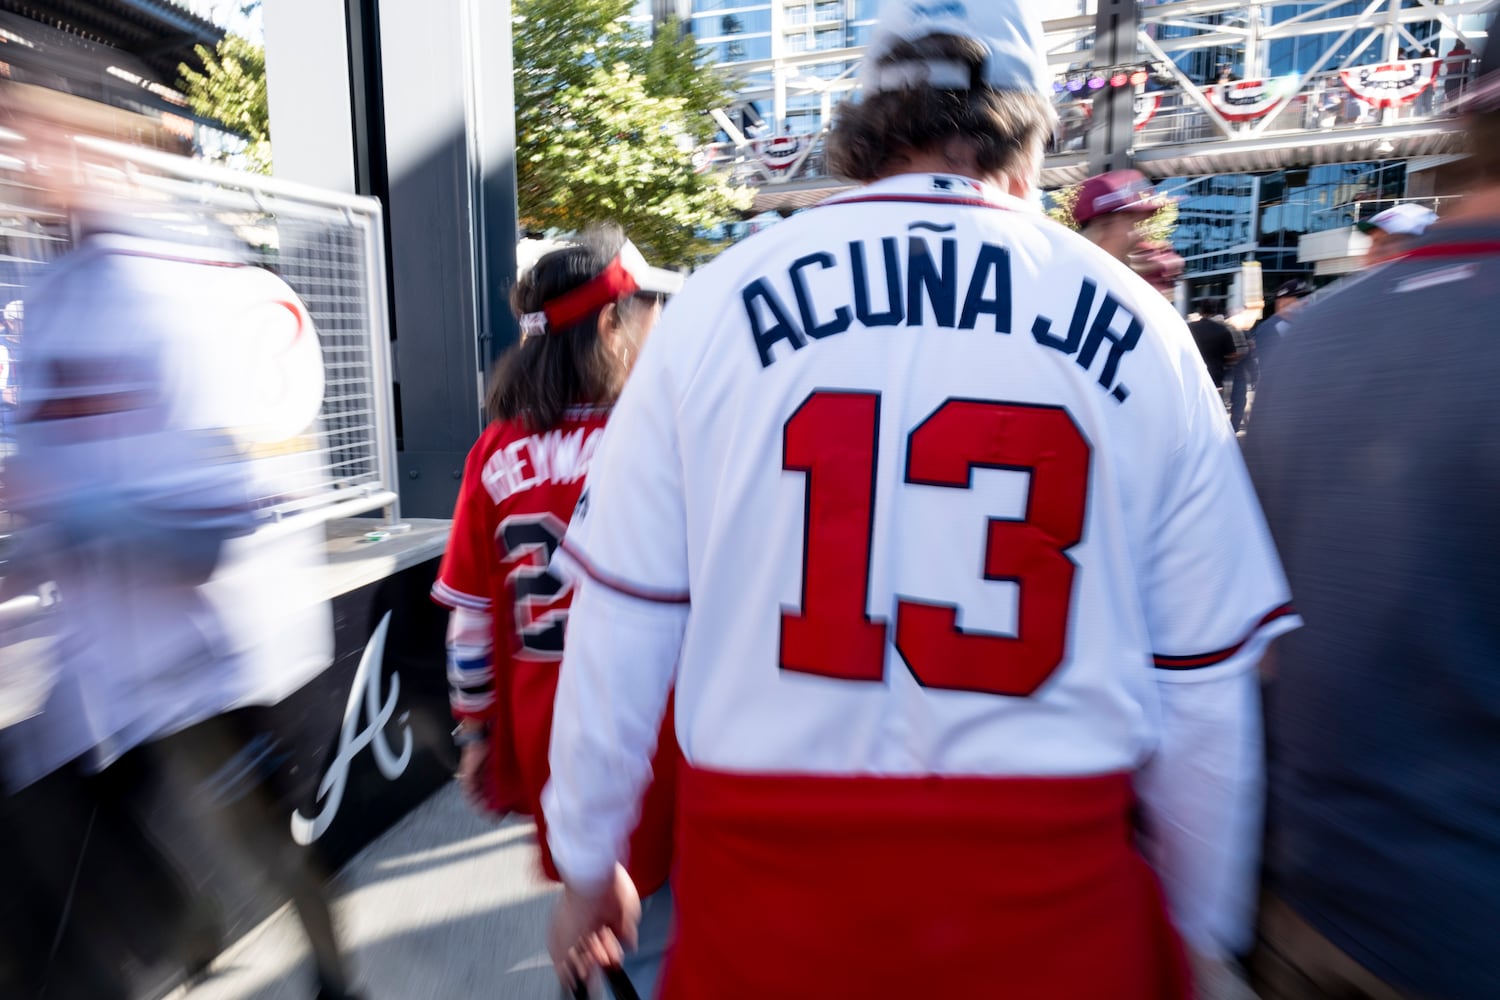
(920, 500)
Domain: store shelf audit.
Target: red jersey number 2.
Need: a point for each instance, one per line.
(833, 439)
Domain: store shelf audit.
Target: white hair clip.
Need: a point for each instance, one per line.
(533, 325)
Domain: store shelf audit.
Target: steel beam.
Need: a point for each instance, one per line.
(1113, 127)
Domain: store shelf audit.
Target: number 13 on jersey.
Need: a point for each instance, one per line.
(832, 439)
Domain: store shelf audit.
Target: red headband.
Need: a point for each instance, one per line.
(609, 285)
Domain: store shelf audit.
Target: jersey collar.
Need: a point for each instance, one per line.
(933, 189)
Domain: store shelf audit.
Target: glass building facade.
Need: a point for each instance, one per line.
(1224, 220)
(1231, 218)
(756, 42)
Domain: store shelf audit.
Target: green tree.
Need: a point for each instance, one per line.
(232, 90)
(606, 120)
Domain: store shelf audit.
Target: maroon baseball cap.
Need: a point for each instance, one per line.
(1116, 191)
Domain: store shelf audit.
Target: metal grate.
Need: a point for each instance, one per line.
(326, 246)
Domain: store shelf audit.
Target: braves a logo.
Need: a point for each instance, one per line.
(364, 694)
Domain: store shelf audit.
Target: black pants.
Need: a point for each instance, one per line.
(127, 898)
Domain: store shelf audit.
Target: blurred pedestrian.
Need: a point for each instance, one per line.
(130, 486)
(10, 342)
(1267, 335)
(1456, 72)
(1424, 102)
(585, 312)
(1393, 231)
(1219, 344)
(1110, 209)
(1246, 370)
(924, 508)
(1373, 451)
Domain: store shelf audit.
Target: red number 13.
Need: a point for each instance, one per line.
(832, 438)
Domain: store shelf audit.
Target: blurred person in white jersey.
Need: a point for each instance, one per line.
(136, 483)
(920, 501)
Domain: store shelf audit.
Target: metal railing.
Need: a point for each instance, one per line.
(1323, 104)
(1166, 117)
(327, 246)
(1364, 209)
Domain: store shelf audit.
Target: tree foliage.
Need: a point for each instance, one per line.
(606, 120)
(232, 90)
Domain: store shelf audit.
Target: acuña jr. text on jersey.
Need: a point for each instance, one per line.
(894, 281)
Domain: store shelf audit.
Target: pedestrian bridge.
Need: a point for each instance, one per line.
(1214, 87)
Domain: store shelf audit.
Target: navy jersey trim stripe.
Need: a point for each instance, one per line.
(1219, 656)
(623, 586)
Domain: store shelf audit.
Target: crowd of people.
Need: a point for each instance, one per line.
(893, 609)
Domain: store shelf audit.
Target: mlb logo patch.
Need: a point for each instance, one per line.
(957, 185)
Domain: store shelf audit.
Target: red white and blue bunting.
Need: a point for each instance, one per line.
(780, 153)
(1244, 100)
(1146, 106)
(1390, 85)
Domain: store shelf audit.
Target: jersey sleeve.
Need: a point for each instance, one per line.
(465, 578)
(629, 530)
(627, 548)
(1214, 591)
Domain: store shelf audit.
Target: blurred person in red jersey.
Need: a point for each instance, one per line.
(1374, 454)
(923, 510)
(585, 313)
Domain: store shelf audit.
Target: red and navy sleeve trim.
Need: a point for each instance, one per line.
(450, 598)
(1219, 656)
(623, 586)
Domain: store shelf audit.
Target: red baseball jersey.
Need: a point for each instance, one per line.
(519, 490)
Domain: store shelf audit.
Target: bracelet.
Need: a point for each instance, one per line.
(465, 735)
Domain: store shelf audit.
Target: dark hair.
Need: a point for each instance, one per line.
(1007, 129)
(538, 379)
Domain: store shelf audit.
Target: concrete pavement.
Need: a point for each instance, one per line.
(444, 905)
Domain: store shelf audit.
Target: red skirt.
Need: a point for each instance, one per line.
(902, 888)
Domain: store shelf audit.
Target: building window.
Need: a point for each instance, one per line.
(828, 38)
(797, 42)
(796, 15)
(827, 71)
(828, 11)
(748, 22)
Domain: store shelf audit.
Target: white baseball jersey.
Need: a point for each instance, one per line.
(940, 488)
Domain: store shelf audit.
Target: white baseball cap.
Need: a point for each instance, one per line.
(1405, 219)
(1010, 30)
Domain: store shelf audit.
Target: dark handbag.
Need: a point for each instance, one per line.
(619, 984)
